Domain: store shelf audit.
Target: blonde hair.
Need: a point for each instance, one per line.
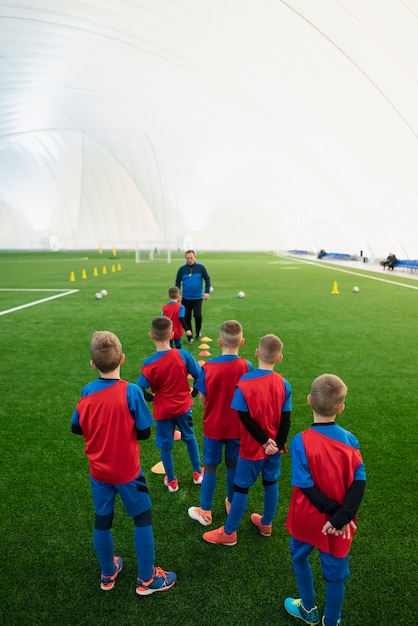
(105, 350)
(231, 334)
(270, 348)
(161, 328)
(328, 393)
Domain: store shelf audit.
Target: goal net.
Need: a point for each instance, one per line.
(153, 251)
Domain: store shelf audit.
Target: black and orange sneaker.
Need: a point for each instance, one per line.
(160, 581)
(108, 582)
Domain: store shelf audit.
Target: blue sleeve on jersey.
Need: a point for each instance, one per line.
(75, 418)
(192, 365)
(360, 472)
(301, 475)
(200, 383)
(143, 382)
(287, 404)
(138, 407)
(182, 311)
(238, 401)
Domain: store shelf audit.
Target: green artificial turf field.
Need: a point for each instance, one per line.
(50, 574)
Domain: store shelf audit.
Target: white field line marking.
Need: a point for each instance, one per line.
(339, 269)
(64, 292)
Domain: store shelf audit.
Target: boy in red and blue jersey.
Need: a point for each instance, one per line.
(165, 373)
(328, 479)
(263, 399)
(176, 312)
(112, 415)
(221, 424)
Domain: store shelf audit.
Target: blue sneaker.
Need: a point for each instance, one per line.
(295, 608)
(108, 582)
(160, 581)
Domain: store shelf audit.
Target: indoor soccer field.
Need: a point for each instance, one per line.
(50, 574)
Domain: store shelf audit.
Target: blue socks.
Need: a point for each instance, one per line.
(103, 544)
(144, 548)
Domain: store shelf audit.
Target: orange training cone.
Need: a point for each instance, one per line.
(335, 287)
(204, 353)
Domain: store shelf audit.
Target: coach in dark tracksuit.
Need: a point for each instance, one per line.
(192, 275)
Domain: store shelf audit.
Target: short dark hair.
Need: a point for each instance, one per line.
(161, 328)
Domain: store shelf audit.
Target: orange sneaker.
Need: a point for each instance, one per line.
(219, 536)
(265, 529)
(108, 582)
(201, 516)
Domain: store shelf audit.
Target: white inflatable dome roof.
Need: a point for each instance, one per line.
(229, 124)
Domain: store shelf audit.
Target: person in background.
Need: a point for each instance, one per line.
(112, 415)
(328, 479)
(174, 309)
(190, 278)
(390, 262)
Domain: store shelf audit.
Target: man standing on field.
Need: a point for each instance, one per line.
(192, 275)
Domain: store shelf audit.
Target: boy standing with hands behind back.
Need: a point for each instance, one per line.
(328, 479)
(263, 399)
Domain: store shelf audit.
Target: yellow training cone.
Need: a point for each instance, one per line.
(113, 268)
(72, 277)
(206, 339)
(83, 274)
(119, 267)
(335, 287)
(95, 272)
(104, 269)
(158, 468)
(204, 346)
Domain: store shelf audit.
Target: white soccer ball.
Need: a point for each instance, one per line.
(211, 289)
(241, 294)
(103, 292)
(99, 296)
(356, 289)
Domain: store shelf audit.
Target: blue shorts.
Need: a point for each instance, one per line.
(134, 496)
(165, 430)
(212, 450)
(248, 471)
(334, 569)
